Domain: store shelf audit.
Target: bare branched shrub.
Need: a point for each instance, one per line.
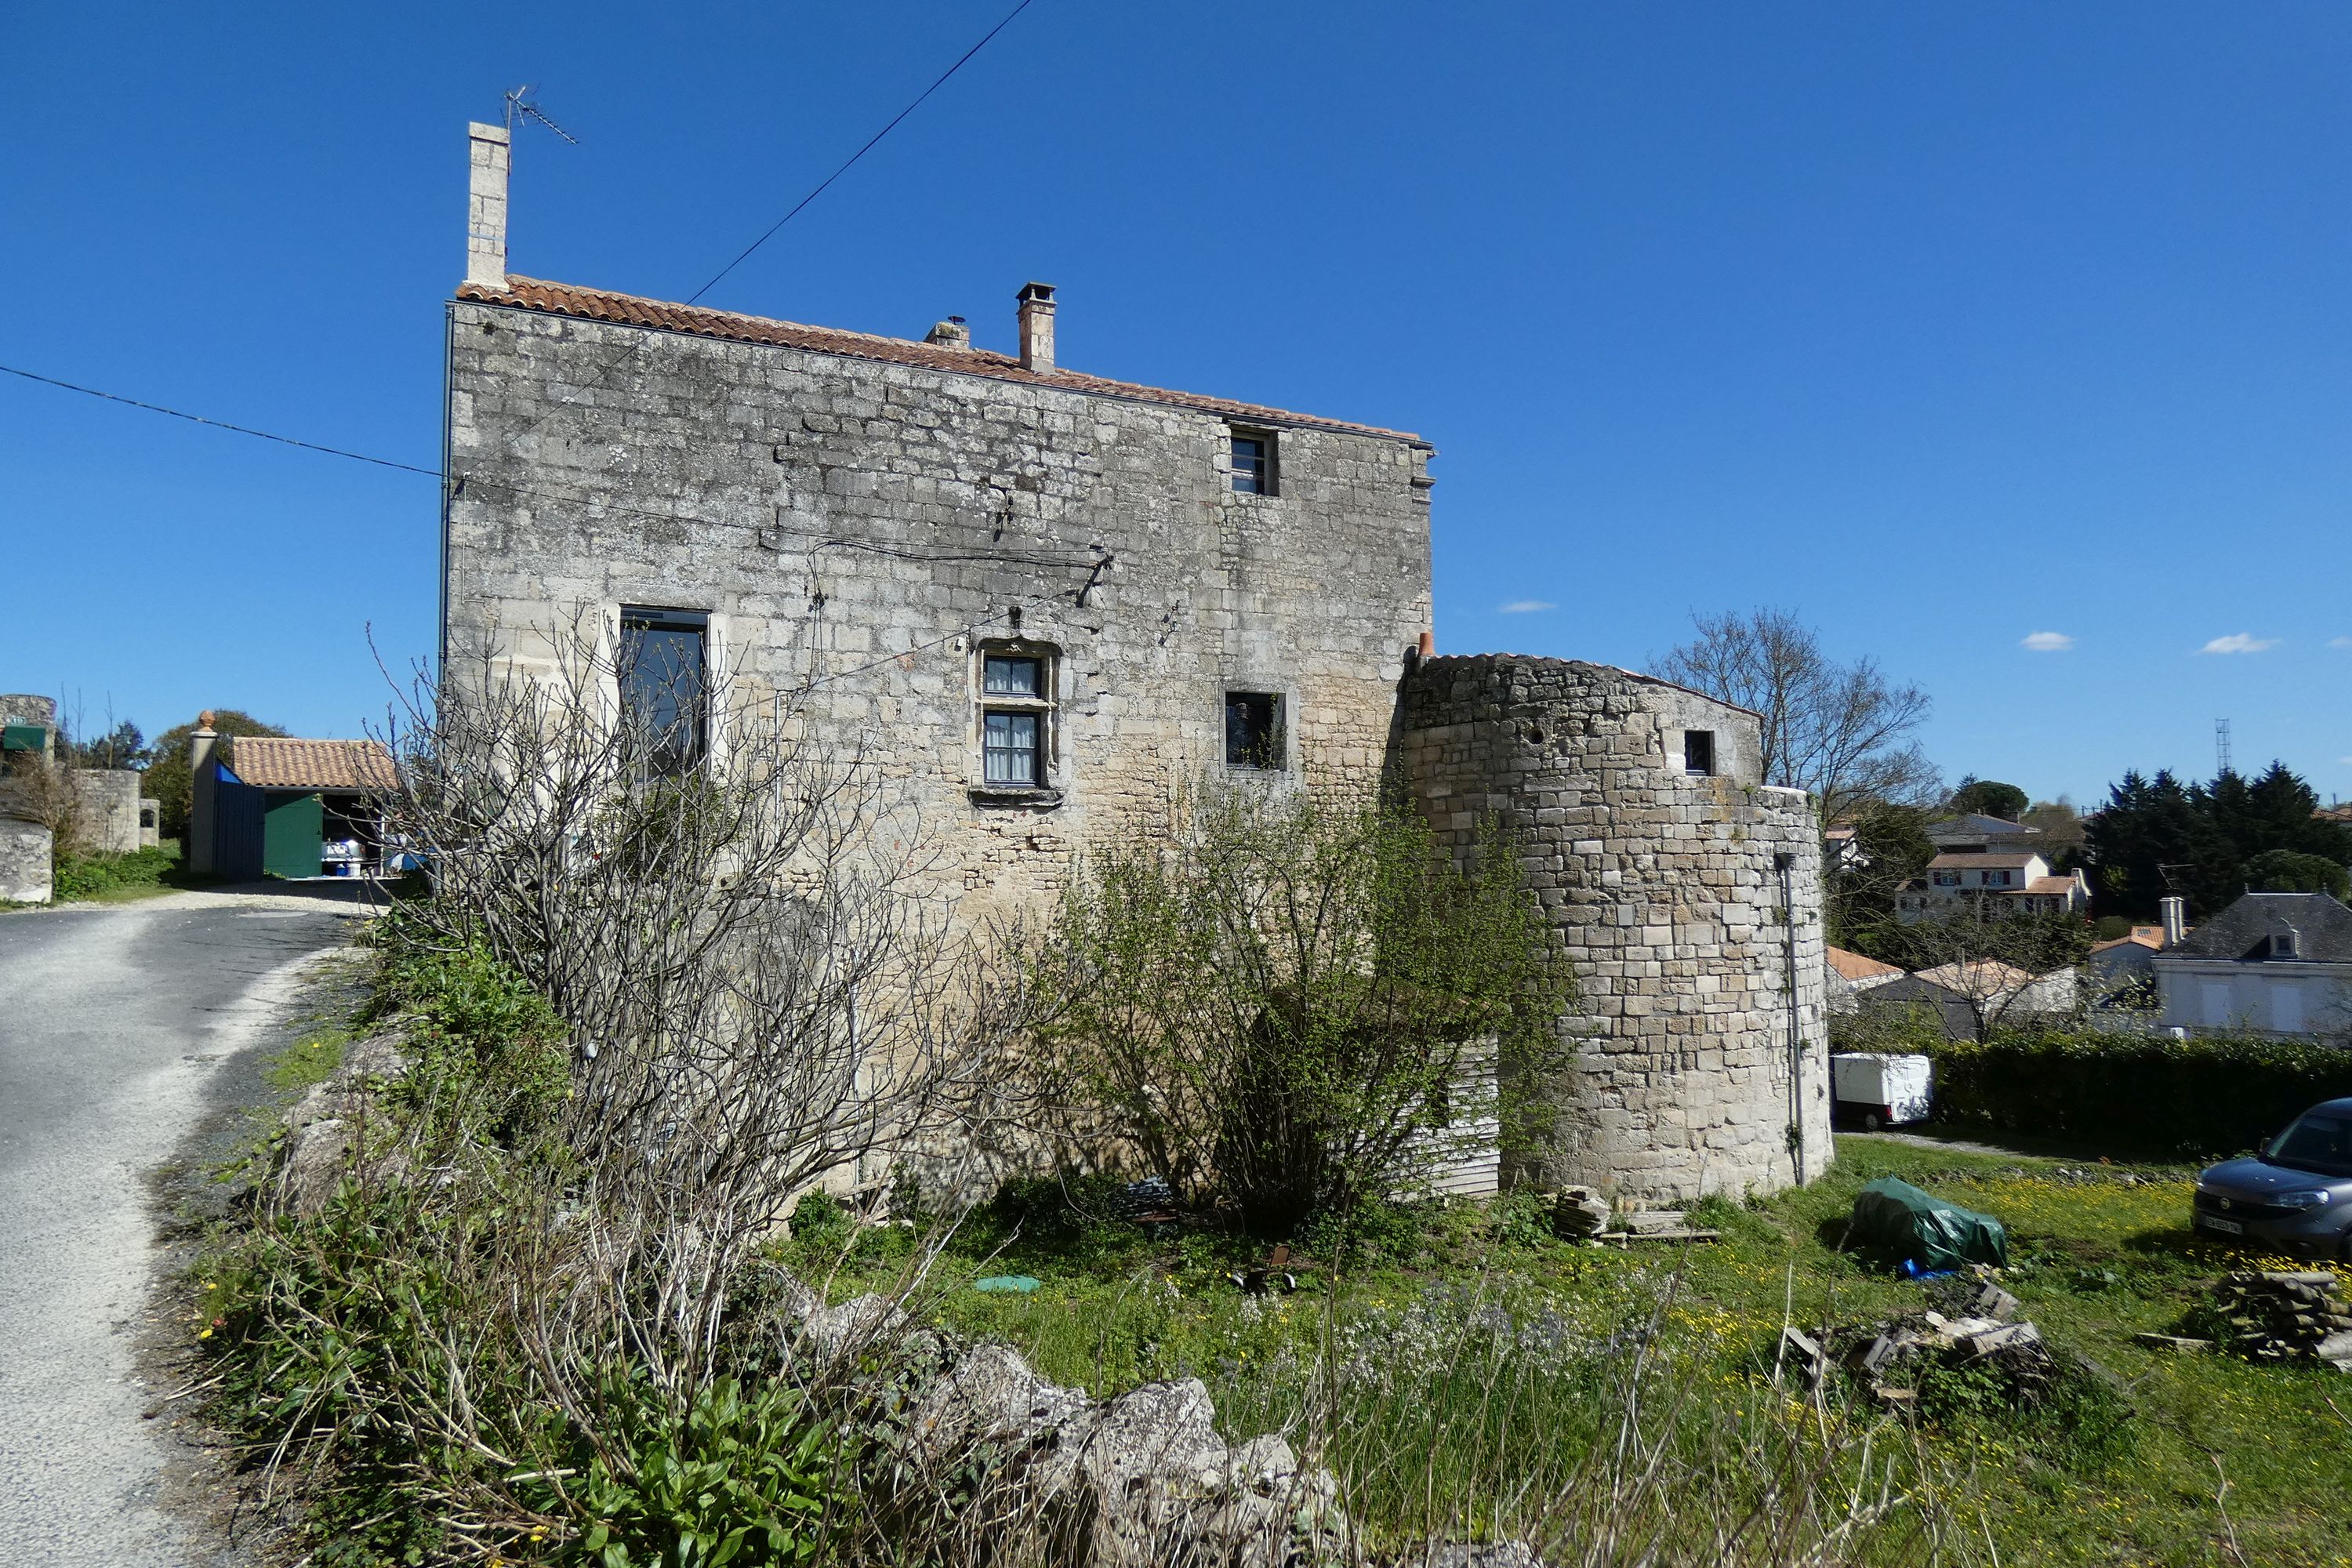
(745, 938)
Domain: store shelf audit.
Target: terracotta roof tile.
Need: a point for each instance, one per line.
(628, 310)
(2004, 861)
(268, 763)
(1858, 966)
(2050, 885)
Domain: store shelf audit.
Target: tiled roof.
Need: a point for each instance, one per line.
(268, 763)
(1857, 966)
(2050, 885)
(1978, 977)
(1962, 862)
(2149, 937)
(629, 311)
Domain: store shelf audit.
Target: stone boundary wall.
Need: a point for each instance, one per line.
(109, 815)
(1667, 895)
(24, 862)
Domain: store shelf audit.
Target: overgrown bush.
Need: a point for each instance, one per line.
(1288, 1000)
(2142, 1094)
(88, 876)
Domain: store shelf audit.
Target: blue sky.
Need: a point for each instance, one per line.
(1941, 326)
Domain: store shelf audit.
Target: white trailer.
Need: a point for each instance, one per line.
(1872, 1089)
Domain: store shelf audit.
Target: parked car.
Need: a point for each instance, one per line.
(2294, 1195)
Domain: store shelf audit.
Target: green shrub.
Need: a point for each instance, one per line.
(88, 876)
(740, 1477)
(2140, 1094)
(490, 1052)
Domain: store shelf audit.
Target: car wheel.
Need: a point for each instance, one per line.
(1870, 1121)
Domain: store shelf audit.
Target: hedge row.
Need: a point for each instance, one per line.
(2133, 1094)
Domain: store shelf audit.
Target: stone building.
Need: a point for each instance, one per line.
(1041, 598)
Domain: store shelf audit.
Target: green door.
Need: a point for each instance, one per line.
(291, 826)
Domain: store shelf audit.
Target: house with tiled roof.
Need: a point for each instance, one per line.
(2011, 880)
(1038, 599)
(277, 806)
(1852, 973)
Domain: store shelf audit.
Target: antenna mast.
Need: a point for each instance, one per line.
(2221, 747)
(521, 106)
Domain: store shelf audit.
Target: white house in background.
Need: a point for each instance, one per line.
(2278, 964)
(1852, 974)
(2011, 880)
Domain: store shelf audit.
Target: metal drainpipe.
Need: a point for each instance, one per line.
(1785, 863)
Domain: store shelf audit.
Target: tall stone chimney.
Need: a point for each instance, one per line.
(2175, 910)
(1036, 326)
(201, 796)
(485, 206)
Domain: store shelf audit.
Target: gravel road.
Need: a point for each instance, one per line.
(117, 1029)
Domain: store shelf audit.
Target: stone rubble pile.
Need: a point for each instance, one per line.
(2274, 1316)
(1983, 1332)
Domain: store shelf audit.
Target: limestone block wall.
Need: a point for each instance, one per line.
(24, 862)
(855, 530)
(1665, 889)
(109, 818)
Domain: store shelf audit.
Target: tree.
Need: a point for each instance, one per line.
(169, 780)
(1988, 797)
(1291, 1000)
(2157, 835)
(121, 747)
(1841, 732)
(2292, 871)
(1989, 957)
(1889, 848)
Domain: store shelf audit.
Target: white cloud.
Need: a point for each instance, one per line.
(2240, 642)
(2047, 642)
(2339, 642)
(1524, 606)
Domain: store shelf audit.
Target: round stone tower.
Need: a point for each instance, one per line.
(1687, 894)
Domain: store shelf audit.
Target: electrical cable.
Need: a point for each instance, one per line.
(222, 424)
(1072, 559)
(960, 62)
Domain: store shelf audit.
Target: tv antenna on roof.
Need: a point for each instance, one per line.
(519, 106)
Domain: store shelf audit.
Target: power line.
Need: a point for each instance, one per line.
(815, 540)
(222, 424)
(962, 61)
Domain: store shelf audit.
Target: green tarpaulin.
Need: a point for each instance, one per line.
(1896, 1221)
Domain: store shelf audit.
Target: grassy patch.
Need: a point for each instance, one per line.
(118, 878)
(1448, 1318)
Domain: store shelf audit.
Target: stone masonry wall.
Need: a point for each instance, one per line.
(1664, 891)
(850, 524)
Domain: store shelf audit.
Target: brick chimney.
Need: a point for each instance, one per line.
(485, 206)
(1036, 326)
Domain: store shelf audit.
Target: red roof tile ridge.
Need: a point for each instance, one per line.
(634, 309)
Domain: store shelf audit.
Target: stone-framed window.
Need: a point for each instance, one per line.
(665, 670)
(1255, 735)
(2284, 944)
(1698, 754)
(1253, 461)
(1015, 683)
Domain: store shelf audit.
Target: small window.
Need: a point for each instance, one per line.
(1253, 737)
(1698, 753)
(1252, 462)
(1016, 717)
(2283, 944)
(1011, 744)
(663, 675)
(1006, 676)
(1996, 879)
(1948, 878)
